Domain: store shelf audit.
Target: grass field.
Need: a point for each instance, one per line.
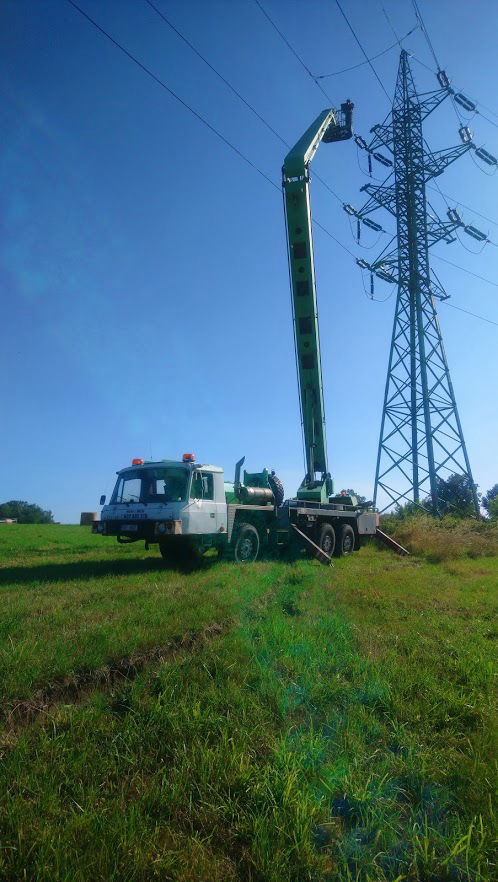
(279, 721)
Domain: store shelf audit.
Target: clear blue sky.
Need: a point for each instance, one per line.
(145, 292)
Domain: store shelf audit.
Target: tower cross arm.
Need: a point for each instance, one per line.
(386, 260)
(438, 230)
(384, 196)
(436, 288)
(386, 267)
(436, 163)
(383, 135)
(431, 100)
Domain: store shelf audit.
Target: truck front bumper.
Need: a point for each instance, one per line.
(152, 531)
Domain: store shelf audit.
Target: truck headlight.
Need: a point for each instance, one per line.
(169, 528)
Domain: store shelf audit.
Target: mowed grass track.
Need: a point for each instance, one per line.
(281, 721)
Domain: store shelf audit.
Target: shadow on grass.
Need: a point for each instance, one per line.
(96, 569)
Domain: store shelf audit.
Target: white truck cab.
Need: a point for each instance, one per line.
(156, 499)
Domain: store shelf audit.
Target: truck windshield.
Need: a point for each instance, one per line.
(163, 484)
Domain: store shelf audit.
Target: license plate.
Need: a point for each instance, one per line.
(129, 528)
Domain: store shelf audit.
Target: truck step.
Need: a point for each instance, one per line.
(390, 542)
(314, 549)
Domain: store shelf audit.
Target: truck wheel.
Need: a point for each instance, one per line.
(170, 552)
(327, 539)
(178, 551)
(277, 489)
(346, 541)
(246, 547)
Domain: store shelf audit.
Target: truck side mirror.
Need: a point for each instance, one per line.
(102, 500)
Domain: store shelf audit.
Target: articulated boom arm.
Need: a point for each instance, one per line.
(327, 127)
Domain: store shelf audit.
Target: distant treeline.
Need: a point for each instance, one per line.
(25, 512)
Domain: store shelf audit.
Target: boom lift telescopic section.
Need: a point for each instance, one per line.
(329, 126)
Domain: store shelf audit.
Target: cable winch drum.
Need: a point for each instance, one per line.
(256, 495)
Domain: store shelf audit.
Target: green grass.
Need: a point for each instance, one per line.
(73, 603)
(273, 722)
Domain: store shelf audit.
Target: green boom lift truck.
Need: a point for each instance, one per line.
(186, 506)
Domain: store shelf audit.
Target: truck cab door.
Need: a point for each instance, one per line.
(220, 502)
(202, 507)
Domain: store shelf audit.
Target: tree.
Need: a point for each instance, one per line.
(454, 496)
(25, 512)
(493, 508)
(490, 502)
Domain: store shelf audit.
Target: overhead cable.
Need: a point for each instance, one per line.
(173, 94)
(469, 272)
(488, 109)
(237, 93)
(458, 202)
(389, 22)
(195, 113)
(474, 314)
(362, 49)
(336, 73)
(321, 227)
(291, 47)
(211, 67)
(425, 32)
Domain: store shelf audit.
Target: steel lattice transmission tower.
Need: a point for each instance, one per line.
(421, 436)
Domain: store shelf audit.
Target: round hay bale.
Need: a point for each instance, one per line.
(87, 518)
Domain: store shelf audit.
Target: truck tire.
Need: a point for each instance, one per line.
(178, 551)
(326, 540)
(246, 546)
(277, 489)
(169, 552)
(345, 541)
